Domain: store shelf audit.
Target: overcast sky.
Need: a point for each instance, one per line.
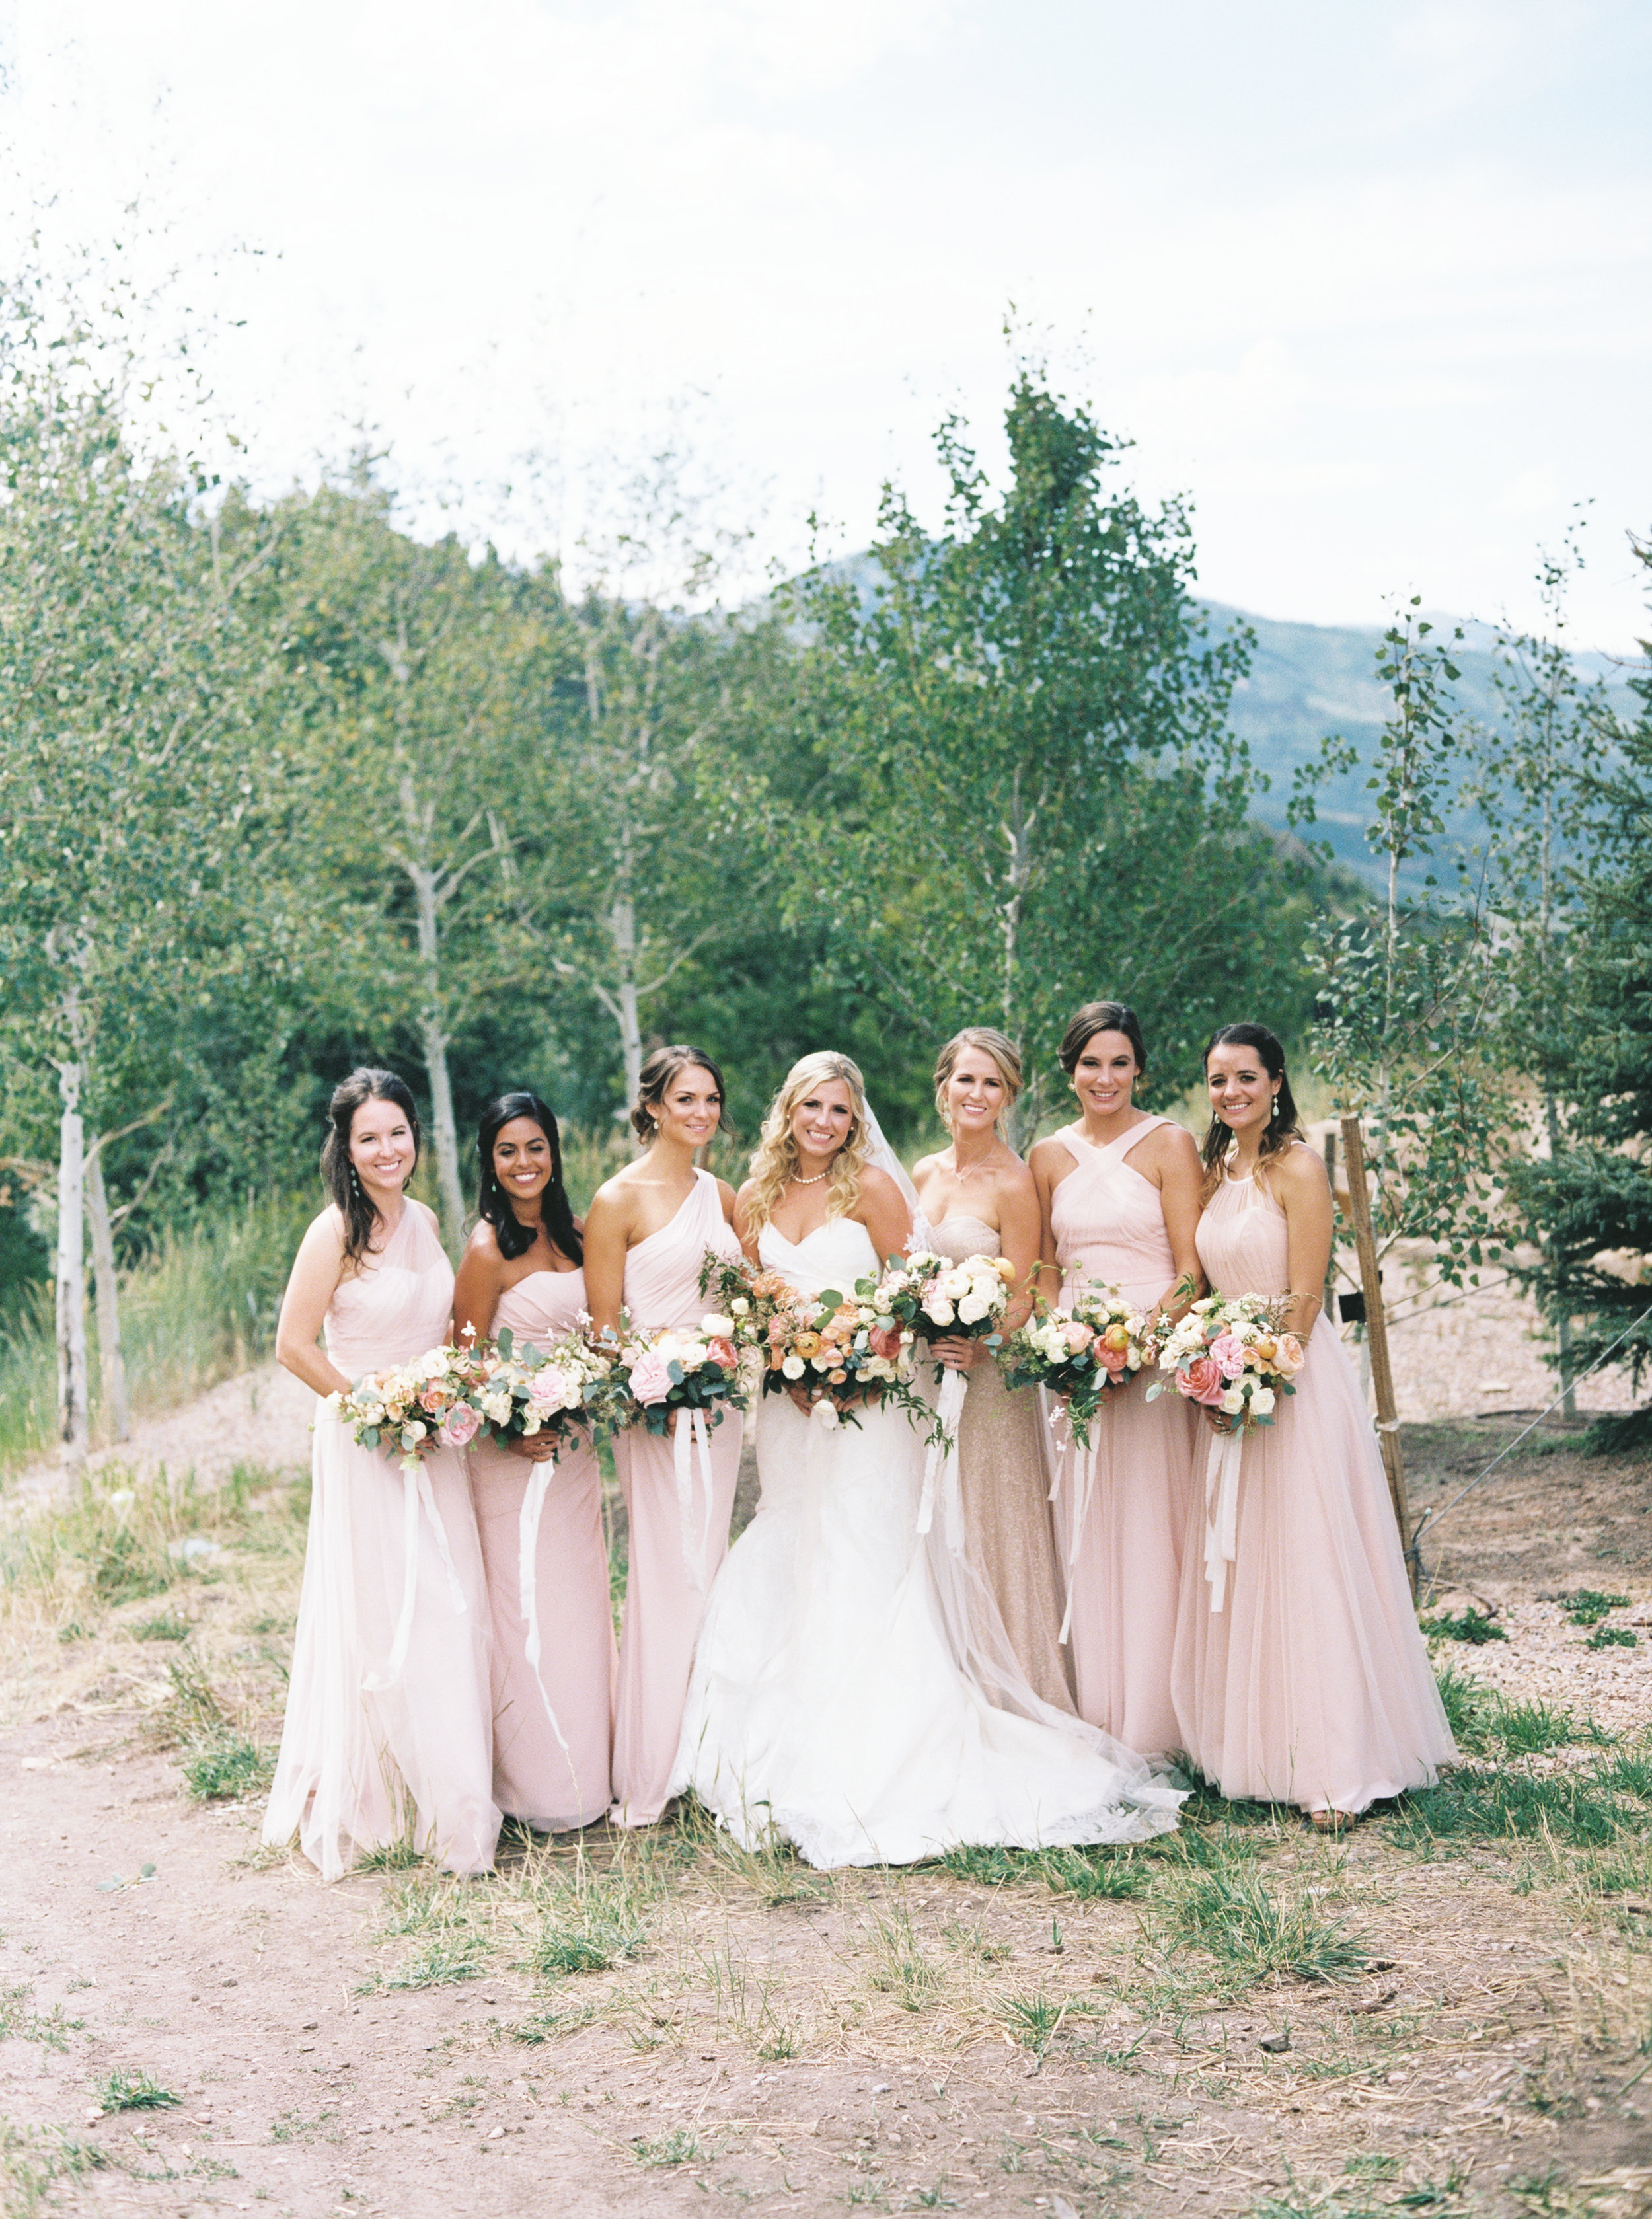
(1369, 282)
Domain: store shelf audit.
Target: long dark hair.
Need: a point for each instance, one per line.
(360, 1214)
(657, 1074)
(1285, 1124)
(494, 1204)
(1101, 1017)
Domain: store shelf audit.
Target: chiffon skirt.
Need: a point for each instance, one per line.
(1125, 1573)
(1311, 1685)
(377, 1748)
(552, 1730)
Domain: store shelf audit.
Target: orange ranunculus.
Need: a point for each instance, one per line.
(806, 1345)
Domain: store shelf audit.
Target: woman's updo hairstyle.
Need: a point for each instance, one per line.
(1283, 1126)
(1101, 1017)
(360, 1214)
(990, 1042)
(494, 1204)
(655, 1076)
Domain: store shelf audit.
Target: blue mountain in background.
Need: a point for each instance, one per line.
(1309, 680)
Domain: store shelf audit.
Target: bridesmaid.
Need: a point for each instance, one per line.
(524, 1269)
(645, 1240)
(1311, 1685)
(388, 1730)
(1121, 1195)
(981, 1199)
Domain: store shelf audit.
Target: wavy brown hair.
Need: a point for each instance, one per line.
(656, 1076)
(1283, 1128)
(777, 1160)
(360, 1215)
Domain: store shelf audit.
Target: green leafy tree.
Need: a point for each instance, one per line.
(1028, 792)
(1588, 1203)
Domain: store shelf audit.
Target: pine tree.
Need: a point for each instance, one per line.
(1589, 1203)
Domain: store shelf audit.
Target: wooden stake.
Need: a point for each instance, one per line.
(1376, 1336)
(1330, 1261)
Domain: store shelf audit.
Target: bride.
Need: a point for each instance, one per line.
(837, 1699)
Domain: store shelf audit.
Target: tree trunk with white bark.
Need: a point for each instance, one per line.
(111, 1357)
(72, 1428)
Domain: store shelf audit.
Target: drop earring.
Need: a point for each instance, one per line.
(1274, 1112)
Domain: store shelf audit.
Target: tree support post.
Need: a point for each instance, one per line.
(1377, 1338)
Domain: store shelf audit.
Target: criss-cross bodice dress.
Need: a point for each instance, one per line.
(1123, 1507)
(553, 1725)
(387, 1731)
(669, 1574)
(826, 1702)
(1311, 1684)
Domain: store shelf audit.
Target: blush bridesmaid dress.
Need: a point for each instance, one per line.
(552, 1724)
(388, 1728)
(1311, 1685)
(1123, 1546)
(679, 1526)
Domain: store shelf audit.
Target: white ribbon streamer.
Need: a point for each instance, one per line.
(527, 1575)
(1222, 1511)
(415, 1489)
(692, 1435)
(941, 1468)
(1084, 1468)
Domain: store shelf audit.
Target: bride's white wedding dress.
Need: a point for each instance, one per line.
(826, 1702)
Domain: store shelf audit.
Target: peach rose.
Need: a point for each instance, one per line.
(1290, 1356)
(885, 1340)
(1202, 1381)
(1110, 1358)
(722, 1353)
(1079, 1335)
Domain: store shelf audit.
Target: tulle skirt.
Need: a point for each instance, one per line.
(387, 1734)
(826, 1704)
(552, 1727)
(1312, 1684)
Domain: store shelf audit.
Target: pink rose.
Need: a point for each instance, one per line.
(1078, 1334)
(776, 1332)
(722, 1353)
(885, 1340)
(1202, 1381)
(651, 1379)
(1290, 1356)
(461, 1425)
(1229, 1354)
(1110, 1359)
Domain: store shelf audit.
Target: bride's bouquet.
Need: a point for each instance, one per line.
(1227, 1353)
(411, 1408)
(1085, 1350)
(564, 1391)
(932, 1298)
(676, 1369)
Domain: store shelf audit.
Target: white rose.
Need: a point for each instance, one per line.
(826, 1411)
(1233, 1402)
(954, 1284)
(937, 1308)
(716, 1326)
(1262, 1402)
(973, 1309)
(792, 1368)
(739, 1306)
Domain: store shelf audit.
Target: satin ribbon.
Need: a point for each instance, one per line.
(1084, 1466)
(1222, 1511)
(692, 1434)
(941, 1468)
(415, 1489)
(533, 1502)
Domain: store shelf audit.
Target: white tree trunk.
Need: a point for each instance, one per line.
(434, 1042)
(72, 1273)
(111, 1359)
(623, 925)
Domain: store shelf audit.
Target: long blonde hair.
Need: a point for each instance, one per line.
(777, 1160)
(990, 1042)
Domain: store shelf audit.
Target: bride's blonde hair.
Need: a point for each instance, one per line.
(777, 1160)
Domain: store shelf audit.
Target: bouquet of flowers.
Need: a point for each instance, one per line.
(935, 1299)
(414, 1407)
(562, 1390)
(840, 1350)
(676, 1369)
(1227, 1353)
(1083, 1350)
(747, 1298)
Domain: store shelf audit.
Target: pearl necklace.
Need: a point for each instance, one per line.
(795, 1181)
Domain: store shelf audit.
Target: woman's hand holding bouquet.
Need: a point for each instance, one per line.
(1083, 1351)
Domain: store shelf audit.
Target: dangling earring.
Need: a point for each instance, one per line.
(355, 1184)
(1274, 1112)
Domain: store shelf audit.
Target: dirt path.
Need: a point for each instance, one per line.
(932, 2040)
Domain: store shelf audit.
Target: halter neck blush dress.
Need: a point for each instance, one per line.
(552, 1728)
(1311, 1685)
(376, 1748)
(1123, 1551)
(669, 1576)
(1004, 1478)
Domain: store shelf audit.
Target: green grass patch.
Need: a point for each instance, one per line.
(1576, 1809)
(219, 1770)
(1612, 1636)
(1588, 1606)
(1256, 1931)
(587, 1923)
(1474, 1626)
(443, 1963)
(135, 2091)
(36, 2163)
(168, 1626)
(680, 2147)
